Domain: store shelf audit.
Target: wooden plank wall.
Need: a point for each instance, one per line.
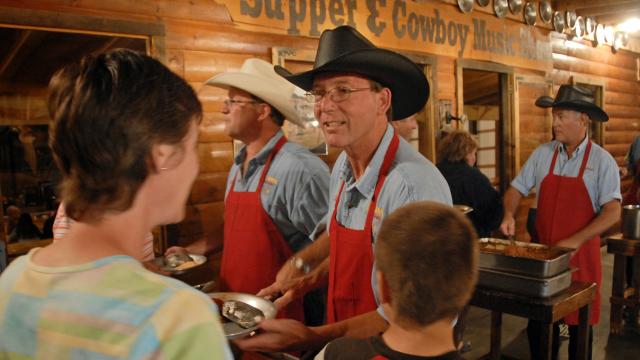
(201, 41)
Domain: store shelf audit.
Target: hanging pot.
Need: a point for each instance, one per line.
(466, 6)
(483, 3)
(571, 19)
(578, 30)
(600, 40)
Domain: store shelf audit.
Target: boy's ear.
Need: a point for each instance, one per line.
(166, 156)
(383, 288)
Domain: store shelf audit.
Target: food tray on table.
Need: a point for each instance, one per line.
(233, 330)
(524, 285)
(529, 259)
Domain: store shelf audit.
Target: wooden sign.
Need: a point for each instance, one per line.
(427, 27)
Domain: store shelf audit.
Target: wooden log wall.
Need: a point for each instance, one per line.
(201, 41)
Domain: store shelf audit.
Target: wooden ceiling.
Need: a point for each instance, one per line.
(608, 12)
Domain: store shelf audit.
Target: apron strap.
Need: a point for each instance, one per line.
(584, 159)
(273, 153)
(384, 170)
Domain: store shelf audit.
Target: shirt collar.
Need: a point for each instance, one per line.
(367, 183)
(581, 147)
(262, 156)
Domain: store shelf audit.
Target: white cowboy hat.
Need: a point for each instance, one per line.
(258, 78)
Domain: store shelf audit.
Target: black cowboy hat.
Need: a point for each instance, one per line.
(577, 98)
(344, 49)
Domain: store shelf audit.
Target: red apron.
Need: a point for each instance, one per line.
(351, 257)
(254, 249)
(564, 207)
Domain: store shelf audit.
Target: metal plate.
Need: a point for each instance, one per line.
(197, 259)
(557, 263)
(466, 6)
(530, 13)
(558, 21)
(546, 12)
(609, 34)
(235, 331)
(524, 285)
(500, 8)
(483, 2)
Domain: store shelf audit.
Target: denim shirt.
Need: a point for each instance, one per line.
(295, 191)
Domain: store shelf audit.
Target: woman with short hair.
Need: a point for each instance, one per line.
(124, 137)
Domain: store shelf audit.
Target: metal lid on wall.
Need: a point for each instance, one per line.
(546, 12)
(530, 13)
(558, 21)
(571, 19)
(466, 6)
(600, 34)
(515, 6)
(483, 2)
(590, 26)
(500, 8)
(578, 29)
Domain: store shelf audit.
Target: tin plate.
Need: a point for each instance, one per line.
(556, 263)
(198, 260)
(524, 285)
(235, 331)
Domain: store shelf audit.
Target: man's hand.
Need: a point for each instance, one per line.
(281, 335)
(508, 226)
(284, 292)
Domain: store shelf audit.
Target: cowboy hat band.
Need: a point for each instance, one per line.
(258, 78)
(344, 50)
(577, 98)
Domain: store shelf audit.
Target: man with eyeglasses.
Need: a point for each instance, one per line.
(277, 191)
(571, 175)
(356, 89)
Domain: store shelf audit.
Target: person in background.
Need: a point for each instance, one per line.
(405, 127)
(469, 186)
(572, 175)
(13, 214)
(633, 170)
(277, 191)
(25, 229)
(124, 135)
(423, 286)
(357, 89)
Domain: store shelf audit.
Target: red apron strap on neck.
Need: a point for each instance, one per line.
(585, 159)
(384, 170)
(275, 150)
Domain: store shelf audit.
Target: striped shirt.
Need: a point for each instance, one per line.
(111, 308)
(62, 224)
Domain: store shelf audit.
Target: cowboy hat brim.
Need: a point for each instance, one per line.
(408, 84)
(280, 97)
(594, 112)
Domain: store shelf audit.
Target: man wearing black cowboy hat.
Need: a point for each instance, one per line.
(357, 89)
(578, 197)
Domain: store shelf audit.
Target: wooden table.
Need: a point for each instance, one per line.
(545, 310)
(621, 295)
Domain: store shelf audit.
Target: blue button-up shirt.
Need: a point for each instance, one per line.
(295, 191)
(601, 175)
(411, 178)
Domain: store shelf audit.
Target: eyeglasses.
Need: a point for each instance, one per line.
(337, 94)
(229, 102)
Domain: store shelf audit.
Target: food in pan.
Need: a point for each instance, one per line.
(178, 261)
(532, 252)
(240, 313)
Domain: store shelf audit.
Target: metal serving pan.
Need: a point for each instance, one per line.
(524, 285)
(554, 260)
(233, 330)
(198, 260)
